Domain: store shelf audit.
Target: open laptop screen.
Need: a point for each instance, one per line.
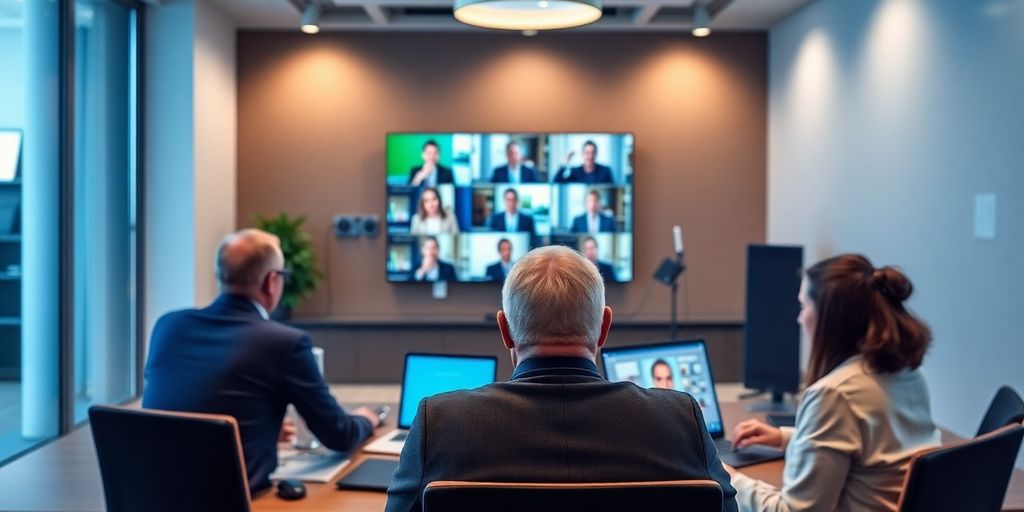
(429, 374)
(679, 365)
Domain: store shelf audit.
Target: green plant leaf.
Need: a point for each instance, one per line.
(299, 256)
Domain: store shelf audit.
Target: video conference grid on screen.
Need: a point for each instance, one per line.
(681, 367)
(467, 206)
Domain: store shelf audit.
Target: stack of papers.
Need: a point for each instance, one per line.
(320, 465)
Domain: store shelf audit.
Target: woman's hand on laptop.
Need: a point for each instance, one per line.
(753, 431)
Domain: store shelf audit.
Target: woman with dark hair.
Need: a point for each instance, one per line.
(865, 411)
(431, 217)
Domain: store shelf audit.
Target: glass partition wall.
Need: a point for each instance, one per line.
(68, 240)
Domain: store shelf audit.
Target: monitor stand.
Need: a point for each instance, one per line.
(776, 405)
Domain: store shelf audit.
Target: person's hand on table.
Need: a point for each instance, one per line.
(754, 431)
(369, 414)
(287, 433)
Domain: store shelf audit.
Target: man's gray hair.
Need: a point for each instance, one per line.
(245, 257)
(554, 296)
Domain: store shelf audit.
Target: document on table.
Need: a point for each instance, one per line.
(320, 465)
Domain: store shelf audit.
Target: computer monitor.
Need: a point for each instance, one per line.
(771, 335)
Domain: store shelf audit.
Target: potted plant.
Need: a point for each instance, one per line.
(299, 259)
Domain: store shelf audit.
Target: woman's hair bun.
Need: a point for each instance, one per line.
(892, 283)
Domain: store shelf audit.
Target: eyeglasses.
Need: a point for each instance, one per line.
(283, 272)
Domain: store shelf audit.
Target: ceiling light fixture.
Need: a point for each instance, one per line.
(701, 20)
(311, 18)
(527, 14)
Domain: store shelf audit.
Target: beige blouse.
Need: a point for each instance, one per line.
(435, 226)
(855, 434)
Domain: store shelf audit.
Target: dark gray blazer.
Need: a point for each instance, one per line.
(557, 420)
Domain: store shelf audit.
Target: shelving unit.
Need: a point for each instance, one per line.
(10, 299)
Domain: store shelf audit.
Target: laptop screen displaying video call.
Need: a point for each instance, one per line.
(682, 366)
(427, 375)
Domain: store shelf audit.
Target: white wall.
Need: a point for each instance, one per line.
(189, 151)
(885, 118)
(215, 120)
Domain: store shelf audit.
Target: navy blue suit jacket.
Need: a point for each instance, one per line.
(600, 174)
(445, 272)
(607, 271)
(444, 175)
(526, 174)
(524, 223)
(557, 420)
(226, 359)
(495, 272)
(605, 224)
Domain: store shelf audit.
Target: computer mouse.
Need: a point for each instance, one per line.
(291, 489)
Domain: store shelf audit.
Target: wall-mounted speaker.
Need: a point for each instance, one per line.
(371, 225)
(354, 226)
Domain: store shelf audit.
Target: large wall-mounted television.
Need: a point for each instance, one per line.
(466, 206)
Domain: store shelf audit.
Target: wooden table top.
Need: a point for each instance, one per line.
(63, 476)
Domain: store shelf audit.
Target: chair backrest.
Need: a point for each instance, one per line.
(169, 461)
(1006, 408)
(684, 495)
(970, 476)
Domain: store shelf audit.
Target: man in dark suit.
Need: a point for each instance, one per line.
(431, 267)
(498, 270)
(515, 171)
(512, 220)
(557, 420)
(606, 269)
(593, 221)
(431, 173)
(229, 358)
(589, 173)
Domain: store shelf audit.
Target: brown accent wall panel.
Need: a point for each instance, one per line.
(313, 113)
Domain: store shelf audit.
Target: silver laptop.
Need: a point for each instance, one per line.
(682, 365)
(427, 375)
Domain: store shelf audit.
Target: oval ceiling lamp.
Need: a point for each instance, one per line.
(527, 14)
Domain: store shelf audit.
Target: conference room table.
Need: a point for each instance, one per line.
(63, 476)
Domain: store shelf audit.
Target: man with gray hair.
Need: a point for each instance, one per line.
(230, 358)
(557, 420)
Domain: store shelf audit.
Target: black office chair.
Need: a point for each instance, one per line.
(683, 495)
(1006, 408)
(970, 476)
(161, 461)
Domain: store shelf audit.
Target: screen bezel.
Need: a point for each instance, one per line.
(386, 230)
(661, 345)
(405, 375)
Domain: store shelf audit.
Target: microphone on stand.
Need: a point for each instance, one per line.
(668, 272)
(677, 239)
